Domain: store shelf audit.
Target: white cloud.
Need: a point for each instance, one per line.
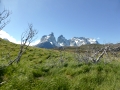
(5, 35)
(35, 42)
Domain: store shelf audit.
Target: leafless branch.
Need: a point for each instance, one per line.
(3, 16)
(26, 38)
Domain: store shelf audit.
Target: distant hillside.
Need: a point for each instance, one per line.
(48, 69)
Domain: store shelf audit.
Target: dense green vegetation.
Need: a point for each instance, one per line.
(42, 69)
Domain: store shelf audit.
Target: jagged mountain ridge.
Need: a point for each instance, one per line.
(62, 41)
(49, 41)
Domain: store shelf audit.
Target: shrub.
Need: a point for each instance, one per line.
(37, 73)
(86, 68)
(45, 69)
(99, 68)
(1, 73)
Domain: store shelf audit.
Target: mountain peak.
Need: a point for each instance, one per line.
(48, 41)
(62, 41)
(52, 34)
(61, 36)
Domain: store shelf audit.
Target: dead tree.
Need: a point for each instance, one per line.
(26, 38)
(3, 16)
(103, 50)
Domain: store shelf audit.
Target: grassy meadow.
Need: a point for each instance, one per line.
(48, 69)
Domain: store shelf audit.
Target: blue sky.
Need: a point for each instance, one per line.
(80, 18)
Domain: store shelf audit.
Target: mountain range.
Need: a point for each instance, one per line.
(49, 41)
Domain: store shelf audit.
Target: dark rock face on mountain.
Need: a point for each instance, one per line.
(45, 45)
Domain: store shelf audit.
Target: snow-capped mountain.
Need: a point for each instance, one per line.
(62, 41)
(49, 41)
(49, 38)
(78, 41)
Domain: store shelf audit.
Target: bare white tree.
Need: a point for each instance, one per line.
(96, 54)
(26, 38)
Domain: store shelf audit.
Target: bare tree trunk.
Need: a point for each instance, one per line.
(26, 38)
(101, 55)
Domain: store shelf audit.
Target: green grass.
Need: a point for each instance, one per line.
(42, 69)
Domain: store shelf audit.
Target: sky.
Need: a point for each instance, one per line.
(99, 19)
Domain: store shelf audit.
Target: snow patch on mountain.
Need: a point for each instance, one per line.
(78, 41)
(92, 41)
